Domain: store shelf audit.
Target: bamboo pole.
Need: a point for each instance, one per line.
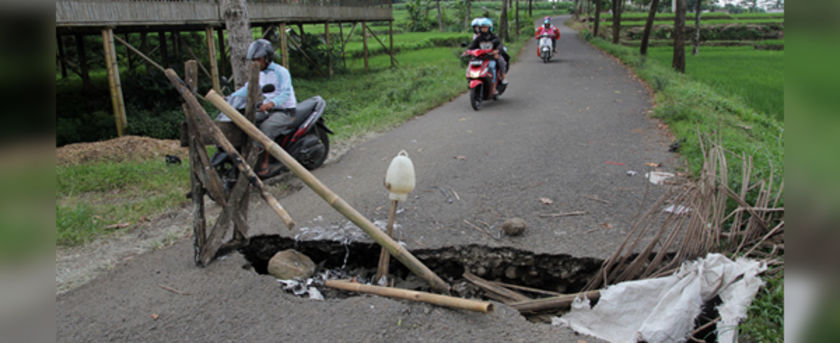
(509, 295)
(553, 303)
(398, 251)
(284, 46)
(204, 120)
(373, 34)
(211, 57)
(114, 80)
(384, 257)
(364, 44)
(431, 298)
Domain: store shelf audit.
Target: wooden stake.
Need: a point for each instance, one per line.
(431, 298)
(204, 120)
(284, 46)
(384, 257)
(211, 56)
(329, 53)
(398, 251)
(114, 80)
(364, 44)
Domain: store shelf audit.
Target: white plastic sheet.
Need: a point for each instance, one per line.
(664, 309)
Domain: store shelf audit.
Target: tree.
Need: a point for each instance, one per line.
(648, 26)
(616, 9)
(516, 30)
(597, 17)
(503, 25)
(239, 37)
(679, 37)
(467, 17)
(696, 50)
(440, 17)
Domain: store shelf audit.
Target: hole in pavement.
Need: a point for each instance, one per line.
(558, 273)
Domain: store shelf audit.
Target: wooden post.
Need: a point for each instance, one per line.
(114, 79)
(398, 251)
(127, 54)
(341, 38)
(391, 42)
(196, 168)
(364, 44)
(220, 32)
(211, 52)
(62, 59)
(164, 55)
(329, 52)
(284, 46)
(384, 257)
(176, 45)
(83, 66)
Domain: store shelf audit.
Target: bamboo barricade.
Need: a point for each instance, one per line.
(431, 298)
(204, 120)
(553, 303)
(398, 251)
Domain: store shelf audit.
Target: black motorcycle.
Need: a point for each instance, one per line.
(305, 139)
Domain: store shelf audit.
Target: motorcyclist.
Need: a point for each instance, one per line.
(276, 110)
(551, 30)
(487, 40)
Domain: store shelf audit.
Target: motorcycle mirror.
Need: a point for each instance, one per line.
(463, 44)
(268, 88)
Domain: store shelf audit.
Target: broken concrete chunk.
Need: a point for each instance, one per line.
(514, 226)
(290, 264)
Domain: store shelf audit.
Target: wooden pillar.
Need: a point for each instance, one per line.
(62, 59)
(364, 44)
(164, 55)
(83, 66)
(176, 45)
(211, 57)
(284, 46)
(341, 38)
(220, 32)
(391, 42)
(329, 52)
(114, 79)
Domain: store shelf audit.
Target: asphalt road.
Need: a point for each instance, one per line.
(560, 132)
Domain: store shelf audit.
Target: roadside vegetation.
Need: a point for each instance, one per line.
(103, 197)
(736, 91)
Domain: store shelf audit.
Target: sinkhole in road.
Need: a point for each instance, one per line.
(558, 273)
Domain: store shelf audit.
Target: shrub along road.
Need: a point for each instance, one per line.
(561, 139)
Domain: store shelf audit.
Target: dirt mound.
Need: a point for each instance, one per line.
(126, 148)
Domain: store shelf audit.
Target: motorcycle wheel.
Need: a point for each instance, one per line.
(475, 98)
(318, 161)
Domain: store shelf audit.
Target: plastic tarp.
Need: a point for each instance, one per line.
(663, 309)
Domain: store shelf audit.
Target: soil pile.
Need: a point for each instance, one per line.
(126, 148)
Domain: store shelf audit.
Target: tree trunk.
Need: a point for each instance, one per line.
(516, 22)
(467, 17)
(83, 66)
(531, 11)
(648, 26)
(616, 8)
(440, 17)
(679, 37)
(597, 17)
(239, 37)
(696, 49)
(503, 30)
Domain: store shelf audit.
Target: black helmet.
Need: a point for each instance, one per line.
(260, 48)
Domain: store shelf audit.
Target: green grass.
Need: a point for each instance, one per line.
(766, 315)
(93, 196)
(690, 22)
(407, 41)
(757, 76)
(710, 15)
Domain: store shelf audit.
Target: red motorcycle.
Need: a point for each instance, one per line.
(478, 74)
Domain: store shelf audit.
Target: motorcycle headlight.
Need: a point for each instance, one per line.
(475, 74)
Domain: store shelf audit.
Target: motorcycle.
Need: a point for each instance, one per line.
(305, 139)
(479, 77)
(546, 48)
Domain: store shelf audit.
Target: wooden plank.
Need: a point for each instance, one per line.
(114, 79)
(211, 56)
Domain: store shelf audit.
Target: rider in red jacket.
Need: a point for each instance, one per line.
(551, 30)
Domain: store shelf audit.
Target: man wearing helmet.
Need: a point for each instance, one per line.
(551, 30)
(487, 40)
(279, 103)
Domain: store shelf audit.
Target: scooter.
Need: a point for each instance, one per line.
(479, 77)
(545, 47)
(305, 139)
